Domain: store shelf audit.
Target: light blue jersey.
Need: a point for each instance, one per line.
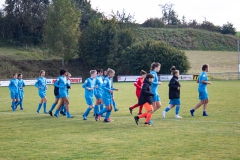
(202, 76)
(98, 91)
(14, 89)
(89, 83)
(13, 86)
(41, 84)
(202, 87)
(68, 86)
(107, 86)
(21, 85)
(62, 85)
(154, 87)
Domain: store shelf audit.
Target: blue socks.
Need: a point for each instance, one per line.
(56, 113)
(53, 106)
(45, 107)
(69, 115)
(168, 108)
(96, 109)
(20, 103)
(87, 112)
(115, 106)
(39, 107)
(108, 114)
(101, 107)
(102, 111)
(13, 106)
(177, 109)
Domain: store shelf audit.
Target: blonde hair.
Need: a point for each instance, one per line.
(93, 72)
(110, 71)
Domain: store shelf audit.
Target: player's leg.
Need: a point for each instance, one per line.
(171, 105)
(54, 105)
(205, 108)
(45, 105)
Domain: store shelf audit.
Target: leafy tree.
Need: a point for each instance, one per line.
(87, 12)
(139, 56)
(62, 29)
(169, 15)
(228, 29)
(25, 19)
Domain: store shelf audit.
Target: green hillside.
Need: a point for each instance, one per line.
(190, 39)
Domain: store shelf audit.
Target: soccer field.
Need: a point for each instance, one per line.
(28, 135)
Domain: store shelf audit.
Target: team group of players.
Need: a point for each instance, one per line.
(100, 85)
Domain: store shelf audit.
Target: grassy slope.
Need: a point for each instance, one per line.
(190, 39)
(28, 135)
(219, 61)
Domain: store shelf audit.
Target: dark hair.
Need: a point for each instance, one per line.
(19, 74)
(149, 76)
(41, 72)
(143, 72)
(62, 71)
(154, 65)
(204, 67)
(99, 71)
(173, 68)
(14, 74)
(175, 71)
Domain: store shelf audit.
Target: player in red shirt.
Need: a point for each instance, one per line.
(138, 84)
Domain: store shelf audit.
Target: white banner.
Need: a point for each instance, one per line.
(123, 78)
(49, 81)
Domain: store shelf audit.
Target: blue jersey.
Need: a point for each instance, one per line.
(21, 85)
(13, 86)
(202, 76)
(61, 83)
(41, 84)
(99, 83)
(89, 83)
(154, 85)
(107, 86)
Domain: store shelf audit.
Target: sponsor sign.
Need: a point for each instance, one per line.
(195, 77)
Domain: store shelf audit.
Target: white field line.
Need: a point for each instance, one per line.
(125, 117)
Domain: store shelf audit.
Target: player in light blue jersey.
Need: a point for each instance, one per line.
(63, 95)
(63, 110)
(98, 91)
(14, 91)
(89, 85)
(202, 89)
(155, 68)
(21, 85)
(107, 96)
(41, 84)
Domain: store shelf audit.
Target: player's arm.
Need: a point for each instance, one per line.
(10, 85)
(37, 83)
(136, 84)
(205, 80)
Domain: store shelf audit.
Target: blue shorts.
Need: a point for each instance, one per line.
(203, 95)
(89, 99)
(57, 97)
(175, 101)
(42, 94)
(107, 100)
(98, 94)
(156, 98)
(14, 95)
(62, 94)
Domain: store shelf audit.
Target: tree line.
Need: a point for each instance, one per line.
(72, 28)
(170, 19)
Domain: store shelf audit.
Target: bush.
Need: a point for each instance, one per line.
(139, 56)
(153, 23)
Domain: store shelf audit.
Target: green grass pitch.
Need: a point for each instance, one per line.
(28, 135)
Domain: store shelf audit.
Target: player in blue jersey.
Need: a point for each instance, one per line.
(155, 68)
(202, 89)
(89, 85)
(107, 96)
(63, 110)
(63, 95)
(41, 84)
(98, 91)
(21, 85)
(14, 91)
(174, 93)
